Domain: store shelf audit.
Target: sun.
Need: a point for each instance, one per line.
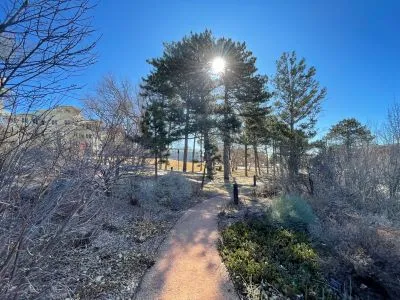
(218, 65)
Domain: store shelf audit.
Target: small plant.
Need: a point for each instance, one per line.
(292, 211)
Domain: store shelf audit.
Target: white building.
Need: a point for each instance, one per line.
(66, 122)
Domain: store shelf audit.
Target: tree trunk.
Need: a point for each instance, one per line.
(201, 153)
(208, 155)
(280, 161)
(226, 138)
(169, 135)
(193, 152)
(293, 162)
(226, 160)
(156, 165)
(202, 178)
(256, 160)
(274, 156)
(185, 150)
(267, 159)
(245, 160)
(293, 159)
(178, 160)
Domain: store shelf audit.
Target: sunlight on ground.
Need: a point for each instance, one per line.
(218, 185)
(177, 166)
(238, 175)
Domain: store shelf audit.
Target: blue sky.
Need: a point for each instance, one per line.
(355, 45)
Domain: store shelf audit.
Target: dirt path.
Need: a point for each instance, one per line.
(189, 266)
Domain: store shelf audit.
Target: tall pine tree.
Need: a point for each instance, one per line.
(240, 67)
(299, 98)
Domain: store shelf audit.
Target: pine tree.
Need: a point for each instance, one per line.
(156, 132)
(240, 67)
(244, 140)
(276, 135)
(183, 72)
(299, 100)
(349, 132)
(254, 98)
(206, 126)
(183, 66)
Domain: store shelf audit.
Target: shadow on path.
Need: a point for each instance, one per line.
(189, 265)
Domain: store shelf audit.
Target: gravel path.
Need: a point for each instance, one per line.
(189, 266)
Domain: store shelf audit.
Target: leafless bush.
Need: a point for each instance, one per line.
(363, 246)
(358, 209)
(174, 190)
(145, 191)
(47, 188)
(118, 111)
(363, 179)
(171, 190)
(271, 187)
(41, 220)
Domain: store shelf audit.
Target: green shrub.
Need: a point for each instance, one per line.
(256, 252)
(292, 211)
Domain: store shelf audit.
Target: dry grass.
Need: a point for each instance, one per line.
(178, 165)
(363, 246)
(238, 174)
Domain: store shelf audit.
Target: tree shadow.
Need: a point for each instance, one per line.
(189, 263)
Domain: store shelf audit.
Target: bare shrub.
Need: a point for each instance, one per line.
(271, 187)
(145, 191)
(47, 190)
(39, 235)
(174, 190)
(358, 215)
(117, 109)
(50, 196)
(360, 180)
(171, 190)
(364, 247)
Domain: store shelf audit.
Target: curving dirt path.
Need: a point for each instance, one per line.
(189, 266)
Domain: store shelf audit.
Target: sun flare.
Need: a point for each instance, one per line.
(218, 65)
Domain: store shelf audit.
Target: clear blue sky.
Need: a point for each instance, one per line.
(355, 45)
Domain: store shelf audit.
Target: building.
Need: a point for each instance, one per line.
(64, 122)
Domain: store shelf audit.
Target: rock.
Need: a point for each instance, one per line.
(98, 278)
(141, 239)
(363, 286)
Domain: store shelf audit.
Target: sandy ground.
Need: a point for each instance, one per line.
(189, 266)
